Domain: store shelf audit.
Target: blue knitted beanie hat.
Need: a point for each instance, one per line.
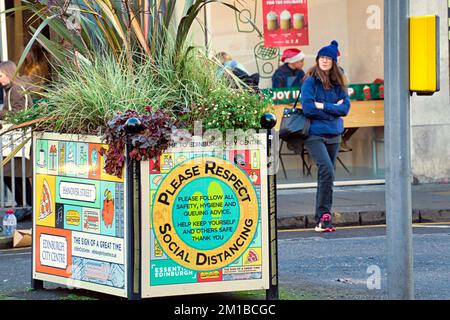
(329, 51)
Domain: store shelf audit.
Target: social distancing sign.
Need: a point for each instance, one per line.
(205, 213)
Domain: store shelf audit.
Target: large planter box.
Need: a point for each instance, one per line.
(197, 222)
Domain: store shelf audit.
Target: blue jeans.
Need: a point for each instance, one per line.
(323, 151)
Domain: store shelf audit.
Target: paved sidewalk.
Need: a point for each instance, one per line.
(361, 205)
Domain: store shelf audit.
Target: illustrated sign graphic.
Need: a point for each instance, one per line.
(267, 59)
(93, 246)
(77, 191)
(53, 251)
(245, 15)
(205, 213)
(79, 216)
(285, 23)
(45, 208)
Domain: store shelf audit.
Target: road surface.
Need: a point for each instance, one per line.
(311, 266)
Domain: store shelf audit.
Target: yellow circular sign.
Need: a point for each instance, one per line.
(205, 213)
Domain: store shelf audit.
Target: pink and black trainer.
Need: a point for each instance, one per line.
(325, 224)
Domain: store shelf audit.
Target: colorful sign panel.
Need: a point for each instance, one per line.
(362, 92)
(79, 216)
(204, 218)
(285, 23)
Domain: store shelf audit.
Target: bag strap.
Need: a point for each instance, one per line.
(300, 93)
(296, 101)
(9, 99)
(26, 97)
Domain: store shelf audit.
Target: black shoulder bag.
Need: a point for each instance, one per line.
(294, 124)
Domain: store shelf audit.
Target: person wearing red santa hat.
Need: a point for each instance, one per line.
(290, 74)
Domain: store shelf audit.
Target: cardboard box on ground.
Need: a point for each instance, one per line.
(22, 238)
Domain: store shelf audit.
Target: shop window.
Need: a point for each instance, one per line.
(358, 27)
(36, 66)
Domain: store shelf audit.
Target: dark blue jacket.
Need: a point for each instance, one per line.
(285, 77)
(326, 121)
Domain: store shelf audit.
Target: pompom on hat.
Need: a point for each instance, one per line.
(292, 55)
(331, 51)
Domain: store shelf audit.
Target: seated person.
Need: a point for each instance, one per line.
(290, 74)
(238, 70)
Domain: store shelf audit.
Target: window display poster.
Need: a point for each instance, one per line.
(285, 23)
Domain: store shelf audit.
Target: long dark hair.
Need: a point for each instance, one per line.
(334, 78)
(9, 68)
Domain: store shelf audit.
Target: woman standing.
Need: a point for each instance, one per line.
(324, 101)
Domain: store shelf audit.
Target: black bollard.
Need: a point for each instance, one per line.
(133, 126)
(268, 122)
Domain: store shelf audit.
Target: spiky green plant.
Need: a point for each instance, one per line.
(85, 96)
(122, 58)
(122, 27)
